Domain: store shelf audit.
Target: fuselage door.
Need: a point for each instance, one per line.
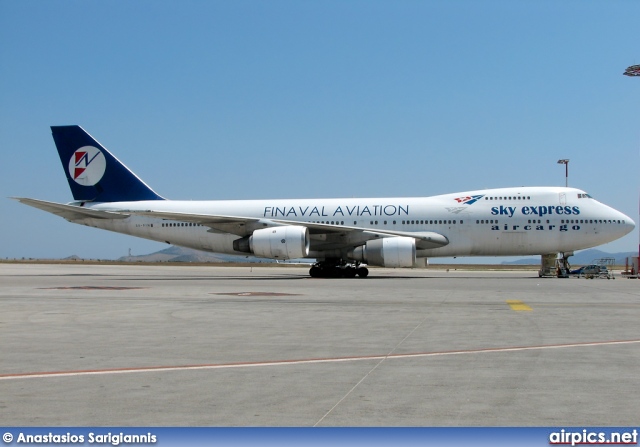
(563, 198)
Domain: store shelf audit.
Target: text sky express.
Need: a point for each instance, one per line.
(509, 211)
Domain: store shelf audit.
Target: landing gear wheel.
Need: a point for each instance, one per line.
(349, 272)
(337, 270)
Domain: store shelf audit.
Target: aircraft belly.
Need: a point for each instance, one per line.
(199, 238)
(337, 241)
(511, 242)
(328, 246)
(219, 242)
(118, 226)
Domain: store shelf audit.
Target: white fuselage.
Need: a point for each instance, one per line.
(493, 222)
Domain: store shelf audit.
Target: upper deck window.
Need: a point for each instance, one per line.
(510, 198)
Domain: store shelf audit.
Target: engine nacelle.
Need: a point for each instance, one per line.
(387, 252)
(287, 242)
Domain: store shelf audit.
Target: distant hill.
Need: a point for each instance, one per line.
(583, 257)
(180, 254)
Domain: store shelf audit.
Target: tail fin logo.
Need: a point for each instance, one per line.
(87, 166)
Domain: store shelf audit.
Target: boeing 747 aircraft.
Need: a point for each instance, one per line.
(342, 235)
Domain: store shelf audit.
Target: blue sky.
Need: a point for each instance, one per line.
(292, 99)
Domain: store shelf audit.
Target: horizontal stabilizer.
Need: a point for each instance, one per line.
(70, 212)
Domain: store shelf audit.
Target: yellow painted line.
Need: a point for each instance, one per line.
(518, 305)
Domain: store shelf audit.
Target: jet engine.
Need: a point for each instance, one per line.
(387, 252)
(287, 242)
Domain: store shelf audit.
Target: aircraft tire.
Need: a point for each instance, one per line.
(337, 272)
(349, 272)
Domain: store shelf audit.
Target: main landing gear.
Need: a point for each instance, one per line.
(328, 269)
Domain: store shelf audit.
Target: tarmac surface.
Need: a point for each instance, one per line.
(106, 345)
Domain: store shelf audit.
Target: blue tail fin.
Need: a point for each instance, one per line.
(93, 173)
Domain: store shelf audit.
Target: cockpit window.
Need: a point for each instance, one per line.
(584, 196)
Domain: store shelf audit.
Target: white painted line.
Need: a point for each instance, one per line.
(40, 375)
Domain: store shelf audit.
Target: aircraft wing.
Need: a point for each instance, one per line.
(244, 226)
(70, 212)
(424, 239)
(324, 236)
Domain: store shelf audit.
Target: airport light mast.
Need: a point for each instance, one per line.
(634, 70)
(565, 162)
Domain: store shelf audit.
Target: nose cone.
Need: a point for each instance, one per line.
(628, 223)
(617, 224)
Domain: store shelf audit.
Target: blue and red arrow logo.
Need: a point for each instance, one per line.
(469, 200)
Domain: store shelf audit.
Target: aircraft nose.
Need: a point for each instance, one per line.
(631, 223)
(628, 223)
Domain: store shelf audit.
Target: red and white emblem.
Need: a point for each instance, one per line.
(87, 165)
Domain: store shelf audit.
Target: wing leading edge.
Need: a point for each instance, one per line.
(244, 226)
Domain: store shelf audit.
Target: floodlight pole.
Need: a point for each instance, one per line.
(565, 162)
(634, 70)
